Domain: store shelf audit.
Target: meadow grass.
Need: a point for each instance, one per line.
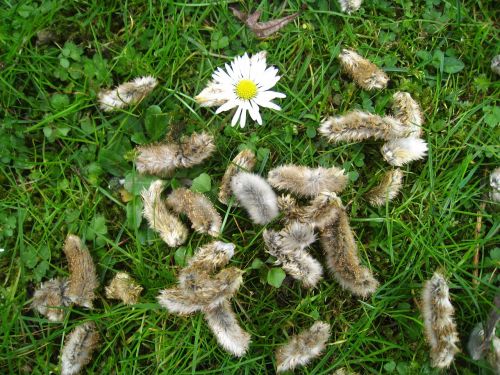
(61, 159)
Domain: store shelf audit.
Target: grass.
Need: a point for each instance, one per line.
(61, 158)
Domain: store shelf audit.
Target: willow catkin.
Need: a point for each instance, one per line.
(398, 152)
(198, 208)
(82, 280)
(78, 348)
(49, 299)
(440, 328)
(358, 126)
(256, 196)
(163, 159)
(349, 6)
(168, 226)
(211, 256)
(244, 161)
(408, 111)
(307, 182)
(288, 247)
(387, 189)
(320, 211)
(124, 288)
(126, 94)
(302, 348)
(495, 185)
(365, 73)
(200, 290)
(223, 323)
(339, 245)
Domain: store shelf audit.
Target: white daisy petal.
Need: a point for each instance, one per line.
(243, 118)
(267, 104)
(230, 104)
(255, 110)
(236, 116)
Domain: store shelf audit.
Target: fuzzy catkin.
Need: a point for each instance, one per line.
(387, 189)
(198, 208)
(307, 182)
(440, 328)
(212, 95)
(365, 73)
(495, 185)
(408, 111)
(162, 159)
(495, 64)
(159, 218)
(357, 126)
(256, 196)
(82, 279)
(398, 152)
(199, 290)
(224, 325)
(244, 161)
(49, 299)
(78, 348)
(320, 212)
(349, 6)
(339, 245)
(126, 94)
(287, 246)
(124, 288)
(211, 256)
(302, 348)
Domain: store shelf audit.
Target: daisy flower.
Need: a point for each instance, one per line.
(245, 85)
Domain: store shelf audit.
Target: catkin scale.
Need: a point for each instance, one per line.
(256, 196)
(440, 328)
(126, 94)
(365, 73)
(82, 279)
(302, 348)
(387, 189)
(78, 348)
(341, 251)
(162, 159)
(307, 182)
(357, 126)
(159, 218)
(244, 161)
(123, 287)
(198, 208)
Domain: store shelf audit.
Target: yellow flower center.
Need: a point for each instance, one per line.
(246, 89)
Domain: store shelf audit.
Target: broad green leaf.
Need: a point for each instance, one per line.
(202, 183)
(29, 256)
(452, 65)
(275, 277)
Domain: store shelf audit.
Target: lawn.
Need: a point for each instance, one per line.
(66, 166)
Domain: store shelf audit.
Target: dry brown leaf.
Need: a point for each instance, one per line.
(262, 29)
